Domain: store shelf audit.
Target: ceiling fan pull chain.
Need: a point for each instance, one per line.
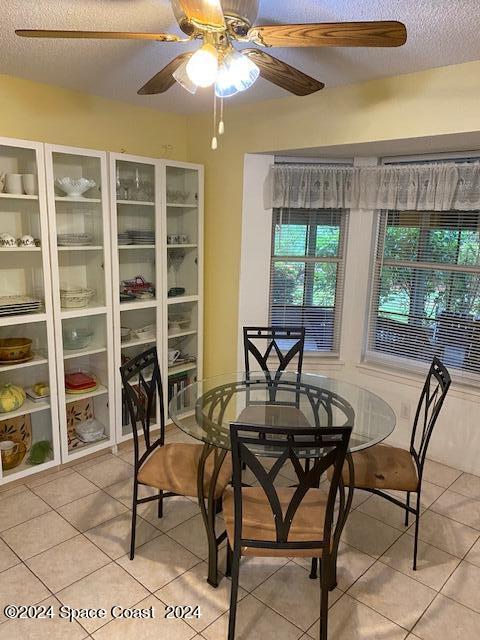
(221, 124)
(214, 139)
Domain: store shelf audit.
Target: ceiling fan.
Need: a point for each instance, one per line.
(218, 24)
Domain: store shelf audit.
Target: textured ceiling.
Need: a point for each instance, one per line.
(440, 32)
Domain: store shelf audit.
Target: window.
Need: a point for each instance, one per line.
(307, 273)
(426, 289)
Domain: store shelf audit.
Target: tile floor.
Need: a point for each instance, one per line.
(64, 539)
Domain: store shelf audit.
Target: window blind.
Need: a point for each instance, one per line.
(426, 290)
(307, 274)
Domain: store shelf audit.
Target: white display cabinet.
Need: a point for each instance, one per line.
(25, 272)
(183, 269)
(137, 231)
(157, 230)
(82, 294)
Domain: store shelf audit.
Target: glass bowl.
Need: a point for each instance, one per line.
(76, 338)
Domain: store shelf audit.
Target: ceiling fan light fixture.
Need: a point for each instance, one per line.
(202, 68)
(183, 79)
(225, 86)
(237, 73)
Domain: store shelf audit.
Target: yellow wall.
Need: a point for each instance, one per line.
(434, 102)
(47, 113)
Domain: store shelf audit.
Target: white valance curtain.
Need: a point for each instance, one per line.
(422, 187)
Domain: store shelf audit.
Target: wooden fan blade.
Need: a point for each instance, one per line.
(107, 35)
(163, 80)
(331, 34)
(282, 74)
(204, 12)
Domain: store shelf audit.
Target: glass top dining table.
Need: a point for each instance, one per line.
(204, 410)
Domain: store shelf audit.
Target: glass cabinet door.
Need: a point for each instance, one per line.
(81, 275)
(137, 276)
(29, 439)
(183, 258)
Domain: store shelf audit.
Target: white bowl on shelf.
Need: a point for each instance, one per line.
(146, 333)
(90, 430)
(74, 187)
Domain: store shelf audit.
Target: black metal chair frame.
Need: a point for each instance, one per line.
(210, 411)
(324, 448)
(428, 409)
(132, 373)
(272, 335)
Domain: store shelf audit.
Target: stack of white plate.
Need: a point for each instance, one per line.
(142, 236)
(74, 239)
(124, 238)
(16, 303)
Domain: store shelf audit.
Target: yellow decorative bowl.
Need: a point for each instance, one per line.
(14, 348)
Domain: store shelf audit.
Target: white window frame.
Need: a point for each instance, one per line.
(388, 360)
(311, 260)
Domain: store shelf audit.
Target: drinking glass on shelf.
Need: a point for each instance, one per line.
(145, 191)
(126, 189)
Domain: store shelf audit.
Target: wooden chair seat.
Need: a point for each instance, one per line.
(258, 522)
(384, 468)
(273, 415)
(174, 468)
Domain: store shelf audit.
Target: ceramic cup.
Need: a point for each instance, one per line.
(26, 241)
(13, 183)
(30, 184)
(182, 238)
(7, 240)
(172, 238)
(3, 177)
(11, 453)
(173, 354)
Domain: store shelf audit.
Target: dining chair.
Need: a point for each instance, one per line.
(382, 468)
(264, 343)
(270, 520)
(273, 349)
(170, 468)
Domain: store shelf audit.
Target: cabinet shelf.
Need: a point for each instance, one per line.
(29, 406)
(88, 247)
(181, 368)
(182, 205)
(17, 196)
(83, 448)
(182, 246)
(25, 249)
(181, 334)
(78, 199)
(123, 247)
(82, 312)
(26, 318)
(142, 203)
(182, 299)
(138, 304)
(36, 361)
(99, 391)
(137, 342)
(25, 468)
(68, 354)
